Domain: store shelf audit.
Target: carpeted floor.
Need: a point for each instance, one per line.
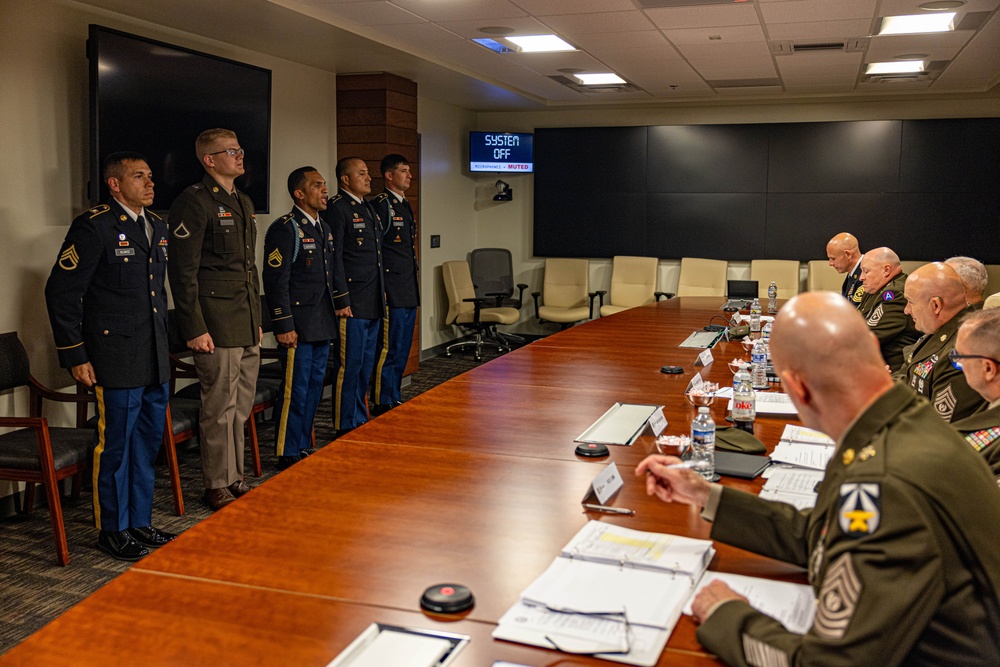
(34, 590)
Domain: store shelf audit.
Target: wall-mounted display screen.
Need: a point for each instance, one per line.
(501, 152)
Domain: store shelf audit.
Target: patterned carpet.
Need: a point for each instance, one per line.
(34, 590)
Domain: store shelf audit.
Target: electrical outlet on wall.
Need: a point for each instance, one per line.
(435, 240)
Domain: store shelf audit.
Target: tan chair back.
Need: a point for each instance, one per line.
(458, 286)
(566, 283)
(702, 277)
(633, 280)
(822, 277)
(784, 272)
(992, 301)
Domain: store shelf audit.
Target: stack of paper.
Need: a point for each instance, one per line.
(605, 574)
(793, 605)
(622, 424)
(803, 455)
(792, 485)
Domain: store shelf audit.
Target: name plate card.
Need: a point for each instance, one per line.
(704, 359)
(607, 483)
(657, 422)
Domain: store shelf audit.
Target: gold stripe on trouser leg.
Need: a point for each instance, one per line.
(286, 401)
(381, 358)
(339, 389)
(101, 425)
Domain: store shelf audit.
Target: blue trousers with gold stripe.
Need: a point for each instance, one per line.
(129, 433)
(356, 350)
(394, 340)
(300, 392)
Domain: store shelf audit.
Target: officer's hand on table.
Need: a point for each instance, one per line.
(343, 312)
(712, 597)
(202, 343)
(289, 339)
(673, 485)
(84, 374)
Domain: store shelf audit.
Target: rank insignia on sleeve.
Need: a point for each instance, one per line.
(68, 259)
(838, 598)
(980, 440)
(274, 259)
(944, 402)
(860, 509)
(181, 232)
(875, 317)
(859, 294)
(888, 296)
(762, 654)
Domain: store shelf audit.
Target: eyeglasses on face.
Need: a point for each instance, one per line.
(231, 152)
(956, 358)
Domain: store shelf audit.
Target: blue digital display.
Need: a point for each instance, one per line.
(501, 152)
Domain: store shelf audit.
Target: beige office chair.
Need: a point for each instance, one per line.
(633, 283)
(992, 301)
(702, 277)
(565, 293)
(469, 313)
(822, 277)
(784, 272)
(909, 266)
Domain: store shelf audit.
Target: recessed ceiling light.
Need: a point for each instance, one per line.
(901, 67)
(942, 6)
(493, 45)
(496, 30)
(540, 44)
(600, 79)
(917, 23)
(911, 56)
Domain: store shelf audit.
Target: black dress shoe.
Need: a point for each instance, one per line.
(218, 498)
(119, 544)
(380, 409)
(307, 452)
(286, 462)
(150, 537)
(239, 488)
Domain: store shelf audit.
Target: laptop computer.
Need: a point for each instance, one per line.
(740, 293)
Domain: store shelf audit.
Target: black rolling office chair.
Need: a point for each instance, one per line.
(493, 277)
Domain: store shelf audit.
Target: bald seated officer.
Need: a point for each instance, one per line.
(974, 277)
(843, 254)
(884, 304)
(977, 354)
(936, 302)
(900, 548)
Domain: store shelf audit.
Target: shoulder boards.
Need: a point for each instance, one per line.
(288, 217)
(97, 210)
(380, 198)
(334, 198)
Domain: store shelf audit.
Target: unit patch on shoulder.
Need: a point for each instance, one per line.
(980, 440)
(944, 402)
(181, 232)
(860, 509)
(838, 598)
(68, 259)
(875, 317)
(274, 259)
(888, 295)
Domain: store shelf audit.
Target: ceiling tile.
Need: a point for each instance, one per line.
(944, 46)
(808, 11)
(819, 30)
(735, 52)
(458, 10)
(903, 7)
(371, 13)
(618, 41)
(605, 22)
(705, 16)
(549, 7)
(729, 35)
(713, 70)
(521, 25)
(550, 63)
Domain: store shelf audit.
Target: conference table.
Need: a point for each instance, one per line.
(474, 482)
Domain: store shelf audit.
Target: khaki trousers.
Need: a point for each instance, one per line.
(228, 380)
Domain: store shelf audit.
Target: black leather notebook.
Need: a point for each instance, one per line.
(745, 466)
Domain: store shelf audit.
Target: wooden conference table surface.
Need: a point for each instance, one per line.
(474, 482)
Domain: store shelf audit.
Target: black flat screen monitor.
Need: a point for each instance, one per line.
(501, 152)
(155, 98)
(741, 289)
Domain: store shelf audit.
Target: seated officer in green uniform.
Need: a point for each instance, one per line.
(974, 277)
(977, 354)
(900, 548)
(884, 304)
(936, 302)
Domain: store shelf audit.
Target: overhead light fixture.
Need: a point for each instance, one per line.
(540, 44)
(600, 79)
(493, 45)
(941, 5)
(898, 67)
(917, 23)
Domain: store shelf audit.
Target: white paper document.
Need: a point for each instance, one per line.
(772, 403)
(796, 486)
(805, 435)
(793, 605)
(620, 425)
(804, 456)
(380, 645)
(608, 543)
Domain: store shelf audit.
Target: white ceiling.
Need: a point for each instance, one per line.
(707, 50)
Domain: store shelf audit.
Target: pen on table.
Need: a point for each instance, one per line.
(693, 465)
(605, 508)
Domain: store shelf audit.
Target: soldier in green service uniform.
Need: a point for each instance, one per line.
(884, 304)
(902, 557)
(977, 354)
(936, 302)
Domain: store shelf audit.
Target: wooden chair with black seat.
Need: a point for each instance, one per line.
(34, 452)
(472, 313)
(565, 296)
(633, 283)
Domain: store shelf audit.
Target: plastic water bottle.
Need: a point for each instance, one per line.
(758, 365)
(772, 298)
(744, 404)
(765, 333)
(740, 376)
(703, 443)
(755, 317)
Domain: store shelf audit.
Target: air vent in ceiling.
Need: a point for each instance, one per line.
(788, 47)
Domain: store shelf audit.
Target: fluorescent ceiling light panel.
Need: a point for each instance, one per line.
(600, 79)
(897, 67)
(540, 43)
(917, 23)
(493, 45)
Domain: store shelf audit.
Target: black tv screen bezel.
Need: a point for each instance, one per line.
(258, 149)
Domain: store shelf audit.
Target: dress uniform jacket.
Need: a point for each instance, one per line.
(982, 431)
(399, 255)
(902, 558)
(357, 264)
(894, 328)
(213, 271)
(929, 372)
(107, 301)
(298, 277)
(853, 289)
